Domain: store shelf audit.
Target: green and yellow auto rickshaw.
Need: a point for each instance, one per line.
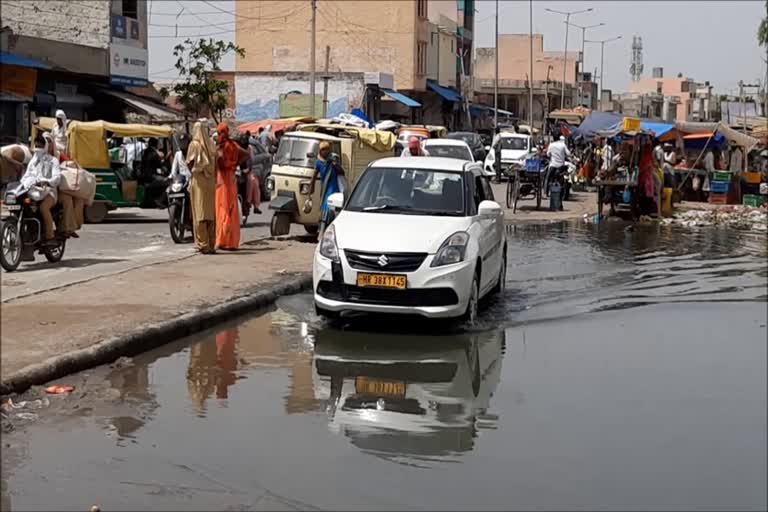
(117, 183)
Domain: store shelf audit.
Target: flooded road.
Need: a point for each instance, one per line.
(621, 370)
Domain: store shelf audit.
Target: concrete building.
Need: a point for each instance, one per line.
(514, 80)
(60, 54)
(415, 41)
(684, 99)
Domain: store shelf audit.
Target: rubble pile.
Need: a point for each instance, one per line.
(738, 217)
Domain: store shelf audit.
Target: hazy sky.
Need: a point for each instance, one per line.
(705, 40)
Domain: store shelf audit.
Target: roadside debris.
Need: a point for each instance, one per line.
(59, 390)
(735, 216)
(9, 404)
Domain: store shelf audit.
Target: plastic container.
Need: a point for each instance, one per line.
(722, 176)
(533, 165)
(666, 201)
(751, 200)
(555, 201)
(718, 198)
(751, 177)
(719, 187)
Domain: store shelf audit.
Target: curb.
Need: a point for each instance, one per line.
(150, 336)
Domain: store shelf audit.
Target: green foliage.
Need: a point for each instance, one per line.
(762, 29)
(198, 90)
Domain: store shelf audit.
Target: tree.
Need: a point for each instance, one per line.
(762, 29)
(198, 90)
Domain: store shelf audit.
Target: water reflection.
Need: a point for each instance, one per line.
(409, 399)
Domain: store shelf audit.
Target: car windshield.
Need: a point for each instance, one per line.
(293, 151)
(409, 191)
(444, 150)
(514, 143)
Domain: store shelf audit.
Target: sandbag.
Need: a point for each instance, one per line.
(77, 182)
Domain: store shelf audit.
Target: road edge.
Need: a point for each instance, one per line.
(152, 335)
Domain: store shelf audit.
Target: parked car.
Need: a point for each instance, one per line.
(515, 148)
(449, 148)
(418, 235)
(475, 142)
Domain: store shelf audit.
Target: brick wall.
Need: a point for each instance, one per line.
(82, 22)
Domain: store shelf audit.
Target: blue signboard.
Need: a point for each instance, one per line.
(128, 81)
(119, 26)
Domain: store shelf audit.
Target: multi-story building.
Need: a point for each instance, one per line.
(66, 54)
(515, 82)
(417, 42)
(684, 99)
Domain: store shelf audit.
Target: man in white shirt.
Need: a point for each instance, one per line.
(59, 132)
(607, 155)
(557, 152)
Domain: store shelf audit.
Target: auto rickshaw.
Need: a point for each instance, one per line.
(117, 182)
(294, 167)
(422, 131)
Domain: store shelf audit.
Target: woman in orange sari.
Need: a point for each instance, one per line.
(227, 214)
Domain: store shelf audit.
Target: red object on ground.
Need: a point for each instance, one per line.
(58, 390)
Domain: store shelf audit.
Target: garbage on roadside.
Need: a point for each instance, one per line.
(9, 405)
(733, 216)
(59, 390)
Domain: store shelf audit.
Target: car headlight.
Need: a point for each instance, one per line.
(270, 184)
(177, 186)
(10, 198)
(304, 187)
(453, 250)
(328, 246)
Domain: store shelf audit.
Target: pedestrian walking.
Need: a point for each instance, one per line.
(202, 190)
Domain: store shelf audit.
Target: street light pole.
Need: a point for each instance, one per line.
(565, 50)
(312, 63)
(602, 54)
(530, 88)
(583, 37)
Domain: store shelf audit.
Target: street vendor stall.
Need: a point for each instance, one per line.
(620, 186)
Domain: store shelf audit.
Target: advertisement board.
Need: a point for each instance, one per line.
(128, 65)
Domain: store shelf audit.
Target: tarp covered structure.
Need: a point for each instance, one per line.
(285, 124)
(377, 139)
(608, 124)
(734, 137)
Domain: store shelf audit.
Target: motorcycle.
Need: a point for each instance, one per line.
(21, 233)
(179, 207)
(242, 184)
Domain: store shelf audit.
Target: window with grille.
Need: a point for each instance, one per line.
(421, 8)
(421, 58)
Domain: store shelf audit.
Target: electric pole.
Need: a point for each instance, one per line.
(326, 77)
(530, 89)
(496, 79)
(602, 53)
(312, 63)
(580, 77)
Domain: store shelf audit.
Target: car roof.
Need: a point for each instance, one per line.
(460, 134)
(508, 135)
(445, 142)
(432, 163)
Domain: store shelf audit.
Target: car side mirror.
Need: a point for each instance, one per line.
(311, 155)
(336, 201)
(488, 209)
(487, 148)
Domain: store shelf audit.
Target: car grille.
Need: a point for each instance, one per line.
(397, 261)
(418, 297)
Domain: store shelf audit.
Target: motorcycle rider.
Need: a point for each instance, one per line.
(557, 152)
(44, 171)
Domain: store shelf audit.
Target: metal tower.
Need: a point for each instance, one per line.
(636, 68)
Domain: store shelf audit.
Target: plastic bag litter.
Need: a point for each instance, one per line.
(733, 216)
(10, 405)
(27, 416)
(59, 390)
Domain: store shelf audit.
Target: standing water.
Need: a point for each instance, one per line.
(620, 370)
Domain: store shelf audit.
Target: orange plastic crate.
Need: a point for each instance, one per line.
(718, 198)
(751, 177)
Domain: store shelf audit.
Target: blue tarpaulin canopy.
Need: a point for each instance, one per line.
(609, 124)
(11, 59)
(446, 92)
(402, 98)
(477, 110)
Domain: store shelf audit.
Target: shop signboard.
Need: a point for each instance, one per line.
(119, 29)
(18, 80)
(128, 65)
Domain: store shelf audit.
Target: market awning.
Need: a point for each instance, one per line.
(155, 111)
(11, 59)
(477, 110)
(402, 98)
(12, 97)
(447, 93)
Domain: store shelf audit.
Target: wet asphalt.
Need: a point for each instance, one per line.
(622, 369)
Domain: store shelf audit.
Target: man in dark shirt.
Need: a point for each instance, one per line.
(154, 183)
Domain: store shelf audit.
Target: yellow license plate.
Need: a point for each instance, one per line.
(382, 281)
(380, 388)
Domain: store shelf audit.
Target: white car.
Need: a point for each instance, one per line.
(449, 148)
(418, 235)
(515, 148)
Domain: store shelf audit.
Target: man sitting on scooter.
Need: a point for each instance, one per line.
(557, 152)
(44, 171)
(154, 182)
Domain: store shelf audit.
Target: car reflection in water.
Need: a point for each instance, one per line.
(408, 399)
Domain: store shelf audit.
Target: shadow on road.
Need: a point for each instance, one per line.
(65, 263)
(127, 218)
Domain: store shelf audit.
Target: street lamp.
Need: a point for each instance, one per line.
(602, 53)
(565, 51)
(583, 33)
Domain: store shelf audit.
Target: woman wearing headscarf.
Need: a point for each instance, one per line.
(200, 159)
(229, 154)
(59, 132)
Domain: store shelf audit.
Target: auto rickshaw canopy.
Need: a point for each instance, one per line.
(377, 139)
